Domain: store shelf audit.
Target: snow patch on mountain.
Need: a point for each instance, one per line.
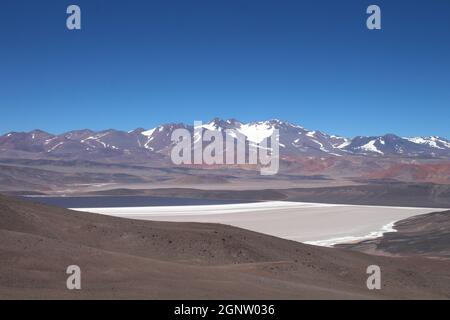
(256, 132)
(344, 144)
(211, 126)
(434, 142)
(55, 146)
(370, 147)
(149, 133)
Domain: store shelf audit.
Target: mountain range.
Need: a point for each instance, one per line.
(141, 144)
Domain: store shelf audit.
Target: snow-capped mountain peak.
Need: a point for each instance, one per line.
(256, 132)
(294, 140)
(432, 141)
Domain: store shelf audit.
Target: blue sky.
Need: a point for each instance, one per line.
(143, 63)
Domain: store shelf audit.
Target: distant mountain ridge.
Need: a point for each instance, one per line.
(294, 140)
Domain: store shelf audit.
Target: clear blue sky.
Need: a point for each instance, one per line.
(143, 63)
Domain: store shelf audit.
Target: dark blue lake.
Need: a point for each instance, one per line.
(125, 201)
